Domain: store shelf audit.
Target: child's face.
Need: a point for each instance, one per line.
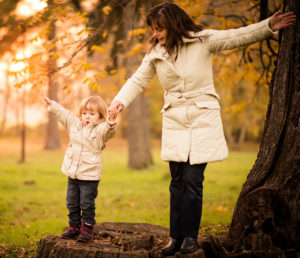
(89, 115)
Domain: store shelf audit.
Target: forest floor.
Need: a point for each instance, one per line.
(32, 195)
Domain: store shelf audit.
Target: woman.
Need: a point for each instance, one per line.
(192, 133)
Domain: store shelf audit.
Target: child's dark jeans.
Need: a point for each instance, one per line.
(81, 195)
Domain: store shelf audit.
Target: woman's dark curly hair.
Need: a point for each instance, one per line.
(177, 22)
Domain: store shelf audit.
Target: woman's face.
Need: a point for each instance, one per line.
(160, 34)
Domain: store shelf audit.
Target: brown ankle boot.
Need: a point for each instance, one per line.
(86, 233)
(71, 232)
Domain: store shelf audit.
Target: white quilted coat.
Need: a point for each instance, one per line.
(83, 158)
(192, 125)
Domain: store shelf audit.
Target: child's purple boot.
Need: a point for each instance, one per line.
(86, 233)
(71, 232)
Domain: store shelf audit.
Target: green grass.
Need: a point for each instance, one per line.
(32, 195)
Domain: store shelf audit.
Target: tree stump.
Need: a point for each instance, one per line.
(113, 240)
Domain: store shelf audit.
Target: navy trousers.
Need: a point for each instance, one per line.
(81, 195)
(186, 192)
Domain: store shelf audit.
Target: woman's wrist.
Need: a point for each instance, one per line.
(271, 24)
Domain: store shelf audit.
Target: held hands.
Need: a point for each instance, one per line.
(113, 111)
(111, 118)
(115, 108)
(280, 21)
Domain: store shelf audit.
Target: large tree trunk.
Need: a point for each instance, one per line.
(267, 213)
(137, 116)
(52, 140)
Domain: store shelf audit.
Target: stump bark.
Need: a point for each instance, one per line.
(113, 240)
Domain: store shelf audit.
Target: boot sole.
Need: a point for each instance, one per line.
(189, 251)
(169, 253)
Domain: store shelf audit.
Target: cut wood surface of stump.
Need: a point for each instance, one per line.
(112, 240)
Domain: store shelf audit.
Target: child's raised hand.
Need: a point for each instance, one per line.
(47, 100)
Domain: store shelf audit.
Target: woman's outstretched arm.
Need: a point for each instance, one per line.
(232, 38)
(133, 86)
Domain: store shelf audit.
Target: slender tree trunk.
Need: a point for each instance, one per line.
(17, 114)
(227, 130)
(138, 115)
(23, 127)
(263, 10)
(52, 140)
(5, 103)
(267, 213)
(244, 128)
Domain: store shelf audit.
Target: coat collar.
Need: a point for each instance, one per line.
(160, 51)
(195, 36)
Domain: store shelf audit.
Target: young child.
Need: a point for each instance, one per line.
(82, 163)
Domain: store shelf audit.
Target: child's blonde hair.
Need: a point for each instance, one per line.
(94, 102)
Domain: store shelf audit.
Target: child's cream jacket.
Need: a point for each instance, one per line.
(83, 159)
(192, 126)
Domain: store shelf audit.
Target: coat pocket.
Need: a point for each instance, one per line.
(165, 107)
(68, 160)
(91, 159)
(205, 114)
(207, 104)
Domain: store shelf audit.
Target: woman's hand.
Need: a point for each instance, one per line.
(115, 108)
(47, 100)
(112, 118)
(280, 21)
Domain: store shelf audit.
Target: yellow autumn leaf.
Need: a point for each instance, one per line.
(130, 204)
(86, 80)
(55, 56)
(87, 66)
(136, 32)
(221, 208)
(18, 85)
(136, 49)
(106, 9)
(98, 49)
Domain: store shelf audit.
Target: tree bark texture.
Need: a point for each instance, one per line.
(267, 213)
(112, 240)
(138, 115)
(138, 128)
(52, 138)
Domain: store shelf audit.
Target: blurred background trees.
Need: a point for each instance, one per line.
(69, 49)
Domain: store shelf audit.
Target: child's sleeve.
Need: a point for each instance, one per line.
(108, 130)
(64, 116)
